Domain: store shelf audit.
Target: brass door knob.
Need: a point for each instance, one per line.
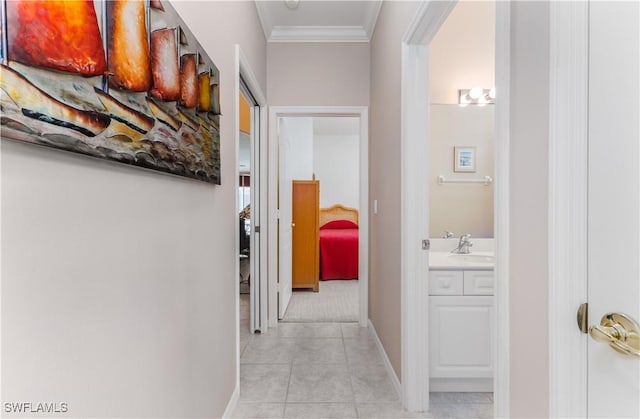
(293, 225)
(620, 331)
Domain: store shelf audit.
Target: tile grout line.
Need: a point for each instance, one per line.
(346, 357)
(286, 397)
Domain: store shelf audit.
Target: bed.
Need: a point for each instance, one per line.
(338, 243)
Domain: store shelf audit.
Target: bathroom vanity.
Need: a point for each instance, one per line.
(461, 321)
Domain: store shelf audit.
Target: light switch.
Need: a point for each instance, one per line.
(375, 206)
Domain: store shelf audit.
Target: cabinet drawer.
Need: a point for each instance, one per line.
(478, 283)
(445, 282)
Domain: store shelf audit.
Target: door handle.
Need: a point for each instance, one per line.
(620, 331)
(293, 225)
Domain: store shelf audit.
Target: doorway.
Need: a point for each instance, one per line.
(245, 195)
(418, 316)
(280, 276)
(250, 152)
(319, 193)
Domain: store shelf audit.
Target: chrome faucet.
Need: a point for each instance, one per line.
(463, 245)
(447, 234)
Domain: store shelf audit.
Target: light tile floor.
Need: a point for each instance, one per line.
(329, 370)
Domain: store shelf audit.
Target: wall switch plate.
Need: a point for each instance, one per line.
(375, 206)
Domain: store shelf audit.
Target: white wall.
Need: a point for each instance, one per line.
(296, 148)
(333, 158)
(462, 53)
(118, 284)
(296, 158)
(462, 208)
(335, 164)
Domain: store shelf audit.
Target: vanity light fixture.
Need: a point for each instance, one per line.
(476, 96)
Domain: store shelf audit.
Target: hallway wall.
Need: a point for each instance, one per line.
(118, 284)
(529, 221)
(316, 74)
(384, 176)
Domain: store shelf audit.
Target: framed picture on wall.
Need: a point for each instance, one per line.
(464, 159)
(125, 81)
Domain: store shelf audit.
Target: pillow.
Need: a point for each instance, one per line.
(339, 225)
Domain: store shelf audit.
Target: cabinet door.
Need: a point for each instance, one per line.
(460, 337)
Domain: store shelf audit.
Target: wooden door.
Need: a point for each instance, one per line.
(305, 225)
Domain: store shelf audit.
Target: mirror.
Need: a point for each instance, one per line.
(461, 208)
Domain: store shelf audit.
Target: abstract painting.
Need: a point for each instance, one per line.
(123, 80)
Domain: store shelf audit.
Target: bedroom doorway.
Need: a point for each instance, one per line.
(325, 149)
(319, 184)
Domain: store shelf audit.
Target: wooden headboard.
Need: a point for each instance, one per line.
(338, 212)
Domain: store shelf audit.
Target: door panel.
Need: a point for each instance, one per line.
(257, 320)
(614, 200)
(284, 220)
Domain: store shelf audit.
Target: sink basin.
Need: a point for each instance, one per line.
(473, 258)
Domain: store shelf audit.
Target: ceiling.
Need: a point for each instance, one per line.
(318, 21)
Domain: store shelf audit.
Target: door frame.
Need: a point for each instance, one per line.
(362, 112)
(415, 300)
(568, 174)
(243, 69)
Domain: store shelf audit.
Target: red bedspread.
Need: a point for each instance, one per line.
(339, 250)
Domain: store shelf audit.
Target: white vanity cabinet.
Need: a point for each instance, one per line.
(461, 311)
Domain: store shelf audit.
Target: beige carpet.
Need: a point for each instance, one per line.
(337, 301)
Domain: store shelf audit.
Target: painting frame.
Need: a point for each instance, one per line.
(464, 159)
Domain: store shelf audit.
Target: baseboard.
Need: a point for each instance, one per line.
(233, 402)
(387, 363)
(481, 385)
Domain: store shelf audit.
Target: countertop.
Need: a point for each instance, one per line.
(480, 261)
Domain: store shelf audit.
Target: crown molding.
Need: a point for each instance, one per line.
(348, 34)
(265, 20)
(371, 17)
(318, 34)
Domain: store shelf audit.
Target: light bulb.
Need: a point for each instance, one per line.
(475, 92)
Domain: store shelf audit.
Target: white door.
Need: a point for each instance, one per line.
(295, 162)
(257, 316)
(614, 200)
(284, 219)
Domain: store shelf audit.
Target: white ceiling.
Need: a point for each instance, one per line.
(318, 21)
